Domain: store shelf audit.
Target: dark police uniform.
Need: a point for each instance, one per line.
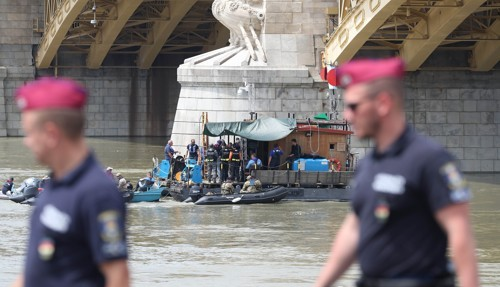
(78, 223)
(396, 195)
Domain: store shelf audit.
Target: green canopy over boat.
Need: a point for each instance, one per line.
(264, 129)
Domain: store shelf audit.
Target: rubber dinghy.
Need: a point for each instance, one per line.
(269, 195)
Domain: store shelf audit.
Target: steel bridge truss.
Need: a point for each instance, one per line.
(144, 28)
(416, 28)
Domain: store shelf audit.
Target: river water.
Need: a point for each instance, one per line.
(178, 244)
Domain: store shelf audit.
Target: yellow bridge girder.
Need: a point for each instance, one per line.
(487, 53)
(109, 31)
(142, 29)
(439, 24)
(145, 29)
(415, 29)
(162, 30)
(56, 30)
(357, 27)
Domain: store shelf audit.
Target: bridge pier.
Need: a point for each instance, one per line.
(3, 107)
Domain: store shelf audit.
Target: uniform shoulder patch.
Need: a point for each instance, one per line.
(110, 228)
(459, 189)
(112, 234)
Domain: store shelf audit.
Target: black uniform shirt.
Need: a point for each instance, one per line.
(77, 224)
(396, 196)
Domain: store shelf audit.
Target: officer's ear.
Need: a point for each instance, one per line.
(53, 134)
(384, 103)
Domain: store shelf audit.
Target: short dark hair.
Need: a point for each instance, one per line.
(294, 140)
(71, 122)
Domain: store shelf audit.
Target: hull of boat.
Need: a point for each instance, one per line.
(271, 195)
(148, 196)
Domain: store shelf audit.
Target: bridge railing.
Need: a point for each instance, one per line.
(51, 7)
(304, 178)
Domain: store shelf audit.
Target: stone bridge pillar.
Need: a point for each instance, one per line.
(3, 106)
(269, 67)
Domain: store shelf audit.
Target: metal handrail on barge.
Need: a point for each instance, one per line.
(300, 178)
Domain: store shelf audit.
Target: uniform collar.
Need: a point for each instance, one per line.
(73, 175)
(398, 146)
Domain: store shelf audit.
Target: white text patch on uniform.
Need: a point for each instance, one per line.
(55, 219)
(389, 183)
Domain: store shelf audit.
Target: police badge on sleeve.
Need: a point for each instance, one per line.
(111, 233)
(459, 189)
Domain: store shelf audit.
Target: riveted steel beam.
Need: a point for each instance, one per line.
(440, 23)
(357, 26)
(162, 30)
(486, 54)
(109, 31)
(56, 29)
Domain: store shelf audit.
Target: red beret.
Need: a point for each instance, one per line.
(51, 93)
(367, 70)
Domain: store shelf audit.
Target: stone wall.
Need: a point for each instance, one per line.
(461, 110)
(293, 31)
(127, 102)
(123, 102)
(16, 56)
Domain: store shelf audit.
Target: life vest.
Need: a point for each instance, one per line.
(192, 148)
(210, 155)
(225, 154)
(236, 155)
(275, 154)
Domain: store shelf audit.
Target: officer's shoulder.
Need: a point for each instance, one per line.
(427, 148)
(427, 143)
(96, 182)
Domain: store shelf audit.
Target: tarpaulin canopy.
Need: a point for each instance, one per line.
(265, 129)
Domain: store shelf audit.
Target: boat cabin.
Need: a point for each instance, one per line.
(318, 139)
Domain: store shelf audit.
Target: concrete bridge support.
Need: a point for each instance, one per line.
(3, 107)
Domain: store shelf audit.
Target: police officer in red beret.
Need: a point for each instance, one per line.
(410, 201)
(77, 229)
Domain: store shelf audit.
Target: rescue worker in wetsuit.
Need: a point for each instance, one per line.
(211, 162)
(224, 161)
(274, 160)
(410, 210)
(7, 186)
(235, 163)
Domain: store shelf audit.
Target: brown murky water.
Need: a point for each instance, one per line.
(177, 244)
